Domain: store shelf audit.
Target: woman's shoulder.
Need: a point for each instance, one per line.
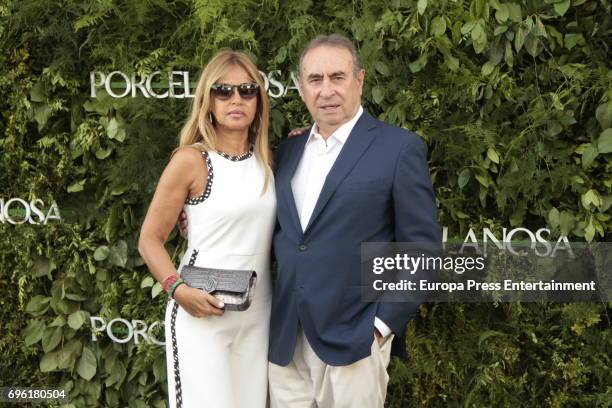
(188, 153)
(186, 157)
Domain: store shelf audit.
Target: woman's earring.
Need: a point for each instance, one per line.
(210, 116)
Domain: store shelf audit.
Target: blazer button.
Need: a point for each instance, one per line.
(302, 248)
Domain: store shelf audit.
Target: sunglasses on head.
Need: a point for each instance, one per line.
(247, 90)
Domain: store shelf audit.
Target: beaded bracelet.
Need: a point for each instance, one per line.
(167, 283)
(175, 285)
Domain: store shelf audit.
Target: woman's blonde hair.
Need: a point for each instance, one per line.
(200, 129)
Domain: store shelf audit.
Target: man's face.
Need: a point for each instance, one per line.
(329, 87)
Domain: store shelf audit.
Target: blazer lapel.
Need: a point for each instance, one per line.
(287, 192)
(360, 138)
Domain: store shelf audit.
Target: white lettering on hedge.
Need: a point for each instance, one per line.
(118, 84)
(537, 241)
(122, 331)
(18, 211)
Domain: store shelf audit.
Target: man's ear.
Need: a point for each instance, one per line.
(360, 77)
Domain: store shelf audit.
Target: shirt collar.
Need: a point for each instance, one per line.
(343, 132)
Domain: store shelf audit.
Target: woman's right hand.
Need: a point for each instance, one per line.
(298, 131)
(197, 302)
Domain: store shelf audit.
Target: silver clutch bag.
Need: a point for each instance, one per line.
(233, 287)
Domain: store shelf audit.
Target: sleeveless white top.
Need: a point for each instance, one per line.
(230, 226)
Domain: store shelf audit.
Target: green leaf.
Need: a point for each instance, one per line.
(421, 6)
(419, 64)
(118, 190)
(49, 362)
(59, 321)
(37, 93)
(33, 332)
(589, 154)
(102, 154)
(101, 253)
(76, 319)
(502, 13)
(438, 26)
(77, 186)
(113, 223)
(482, 180)
(468, 27)
(38, 304)
(604, 144)
(514, 12)
(51, 338)
(589, 231)
(492, 155)
(451, 62)
(496, 53)
(531, 45)
(120, 135)
(487, 68)
(479, 38)
(562, 6)
(112, 128)
(464, 177)
(539, 29)
(147, 282)
(461, 215)
(87, 365)
(590, 197)
(556, 102)
(381, 67)
(500, 30)
(118, 254)
(68, 354)
(603, 113)
(571, 40)
(519, 38)
(74, 296)
(606, 203)
(508, 54)
(377, 94)
(42, 112)
(156, 290)
(553, 218)
(42, 267)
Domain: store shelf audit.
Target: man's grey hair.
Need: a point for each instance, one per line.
(333, 40)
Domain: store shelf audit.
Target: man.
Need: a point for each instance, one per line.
(350, 179)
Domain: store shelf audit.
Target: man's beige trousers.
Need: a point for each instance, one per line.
(307, 382)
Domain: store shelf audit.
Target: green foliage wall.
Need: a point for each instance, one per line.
(513, 99)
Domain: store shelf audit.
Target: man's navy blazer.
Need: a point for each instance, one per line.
(378, 190)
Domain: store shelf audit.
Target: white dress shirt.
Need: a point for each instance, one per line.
(317, 160)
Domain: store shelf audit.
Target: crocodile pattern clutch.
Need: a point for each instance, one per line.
(233, 287)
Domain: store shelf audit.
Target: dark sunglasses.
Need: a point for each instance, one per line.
(248, 90)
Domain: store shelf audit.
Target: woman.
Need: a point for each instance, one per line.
(220, 176)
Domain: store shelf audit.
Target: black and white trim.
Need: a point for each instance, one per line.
(177, 372)
(238, 157)
(194, 256)
(209, 182)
